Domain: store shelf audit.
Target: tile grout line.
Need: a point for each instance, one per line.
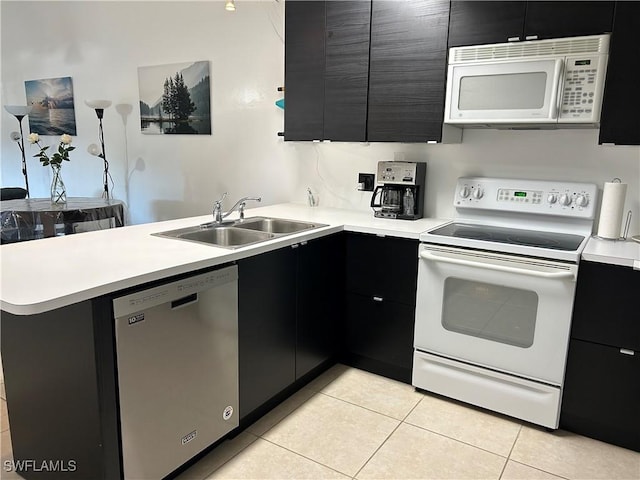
(388, 437)
(504, 467)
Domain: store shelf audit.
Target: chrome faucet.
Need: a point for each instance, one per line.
(218, 216)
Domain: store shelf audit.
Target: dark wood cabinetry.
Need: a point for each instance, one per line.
(619, 120)
(381, 275)
(480, 22)
(266, 326)
(289, 309)
(601, 392)
(408, 70)
(326, 70)
(320, 305)
(381, 76)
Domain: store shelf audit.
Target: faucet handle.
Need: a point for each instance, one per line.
(224, 195)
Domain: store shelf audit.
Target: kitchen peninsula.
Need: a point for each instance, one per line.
(58, 346)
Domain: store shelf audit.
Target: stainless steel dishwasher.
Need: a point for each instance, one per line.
(177, 358)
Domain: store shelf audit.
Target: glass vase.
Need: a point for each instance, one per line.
(58, 190)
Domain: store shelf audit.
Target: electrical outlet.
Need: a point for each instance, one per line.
(365, 180)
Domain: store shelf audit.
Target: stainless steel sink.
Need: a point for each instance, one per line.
(274, 225)
(239, 233)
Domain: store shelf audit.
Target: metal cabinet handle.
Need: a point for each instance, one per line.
(513, 39)
(626, 351)
(378, 299)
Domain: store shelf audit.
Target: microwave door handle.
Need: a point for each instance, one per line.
(426, 255)
(559, 89)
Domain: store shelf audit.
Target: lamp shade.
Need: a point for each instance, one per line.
(94, 150)
(98, 103)
(230, 6)
(18, 110)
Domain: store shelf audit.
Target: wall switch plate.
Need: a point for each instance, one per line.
(365, 182)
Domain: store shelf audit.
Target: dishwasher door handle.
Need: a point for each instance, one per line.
(184, 301)
(500, 268)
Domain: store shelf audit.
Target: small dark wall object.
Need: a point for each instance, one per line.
(12, 193)
(367, 180)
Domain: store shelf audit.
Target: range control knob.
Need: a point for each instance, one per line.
(565, 199)
(464, 192)
(552, 198)
(582, 200)
(478, 193)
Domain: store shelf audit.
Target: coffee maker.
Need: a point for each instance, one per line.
(400, 190)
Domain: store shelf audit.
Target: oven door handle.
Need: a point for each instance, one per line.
(426, 255)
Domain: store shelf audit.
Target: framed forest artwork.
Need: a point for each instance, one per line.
(175, 99)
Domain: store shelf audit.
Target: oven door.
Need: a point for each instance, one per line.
(506, 313)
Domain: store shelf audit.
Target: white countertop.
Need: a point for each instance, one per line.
(49, 273)
(615, 252)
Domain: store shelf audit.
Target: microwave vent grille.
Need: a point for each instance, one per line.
(531, 49)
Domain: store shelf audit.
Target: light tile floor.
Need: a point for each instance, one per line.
(352, 424)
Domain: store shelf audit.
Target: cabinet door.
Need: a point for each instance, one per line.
(304, 70)
(619, 120)
(553, 19)
(407, 70)
(385, 267)
(346, 70)
(605, 308)
(320, 301)
(602, 393)
(480, 22)
(379, 336)
(266, 326)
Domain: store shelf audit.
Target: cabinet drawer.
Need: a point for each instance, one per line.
(606, 298)
(381, 331)
(385, 267)
(602, 393)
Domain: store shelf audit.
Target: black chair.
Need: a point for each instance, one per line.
(12, 193)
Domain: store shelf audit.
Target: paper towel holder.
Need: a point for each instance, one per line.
(625, 234)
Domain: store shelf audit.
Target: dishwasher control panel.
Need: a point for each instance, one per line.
(135, 302)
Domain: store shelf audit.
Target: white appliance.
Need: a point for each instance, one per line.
(495, 295)
(532, 84)
(177, 356)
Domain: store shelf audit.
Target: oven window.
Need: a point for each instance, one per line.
(493, 312)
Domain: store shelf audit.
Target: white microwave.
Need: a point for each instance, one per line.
(533, 84)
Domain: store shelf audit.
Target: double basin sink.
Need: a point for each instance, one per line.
(239, 233)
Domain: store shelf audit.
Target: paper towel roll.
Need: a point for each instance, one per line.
(611, 210)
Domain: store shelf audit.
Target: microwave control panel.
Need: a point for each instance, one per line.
(583, 87)
(567, 199)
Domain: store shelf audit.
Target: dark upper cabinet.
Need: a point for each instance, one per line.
(346, 70)
(366, 70)
(326, 70)
(407, 70)
(553, 19)
(479, 22)
(304, 70)
(619, 121)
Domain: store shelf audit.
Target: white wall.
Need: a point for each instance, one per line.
(101, 45)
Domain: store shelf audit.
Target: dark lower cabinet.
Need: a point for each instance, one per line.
(601, 391)
(290, 306)
(60, 381)
(379, 336)
(602, 394)
(320, 302)
(266, 326)
(381, 277)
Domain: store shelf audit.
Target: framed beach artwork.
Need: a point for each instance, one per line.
(53, 111)
(175, 99)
